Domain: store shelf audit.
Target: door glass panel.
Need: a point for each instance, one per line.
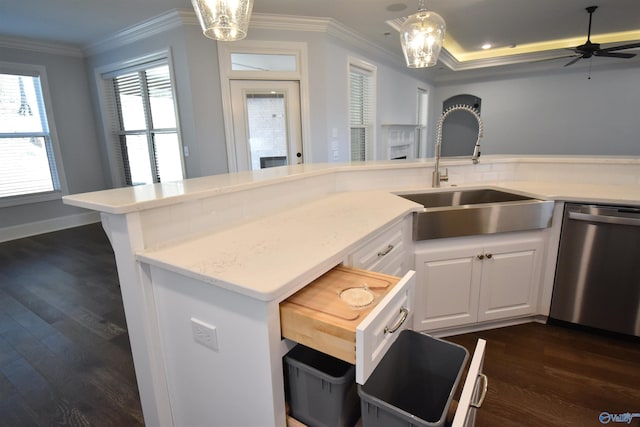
(263, 62)
(267, 123)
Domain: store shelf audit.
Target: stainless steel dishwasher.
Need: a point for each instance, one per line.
(597, 282)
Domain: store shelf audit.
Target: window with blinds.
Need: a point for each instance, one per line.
(145, 127)
(27, 163)
(361, 112)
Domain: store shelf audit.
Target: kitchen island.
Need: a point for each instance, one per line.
(225, 250)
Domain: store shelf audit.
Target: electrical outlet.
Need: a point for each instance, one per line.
(204, 334)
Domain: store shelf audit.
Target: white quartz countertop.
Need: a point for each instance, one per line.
(269, 258)
(613, 194)
(139, 198)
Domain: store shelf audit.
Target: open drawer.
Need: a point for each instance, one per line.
(352, 314)
(474, 390)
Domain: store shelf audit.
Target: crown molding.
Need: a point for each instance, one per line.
(40, 46)
(450, 61)
(180, 17)
(346, 34)
(267, 21)
(328, 26)
(172, 19)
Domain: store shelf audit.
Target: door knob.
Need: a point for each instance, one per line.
(489, 256)
(480, 257)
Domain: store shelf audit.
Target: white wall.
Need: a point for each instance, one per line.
(76, 130)
(396, 93)
(195, 66)
(558, 113)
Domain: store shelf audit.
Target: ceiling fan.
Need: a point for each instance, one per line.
(589, 49)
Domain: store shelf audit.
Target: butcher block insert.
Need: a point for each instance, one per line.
(325, 314)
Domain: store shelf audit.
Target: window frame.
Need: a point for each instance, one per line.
(51, 139)
(370, 71)
(422, 120)
(104, 76)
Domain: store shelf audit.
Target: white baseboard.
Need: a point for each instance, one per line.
(47, 226)
(483, 326)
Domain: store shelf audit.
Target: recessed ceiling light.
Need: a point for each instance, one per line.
(486, 46)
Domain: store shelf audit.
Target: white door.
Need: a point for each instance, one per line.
(266, 123)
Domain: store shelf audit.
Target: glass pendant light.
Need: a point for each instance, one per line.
(422, 36)
(225, 20)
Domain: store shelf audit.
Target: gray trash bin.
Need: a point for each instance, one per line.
(414, 383)
(322, 389)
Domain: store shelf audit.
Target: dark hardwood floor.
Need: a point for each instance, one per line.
(65, 358)
(544, 375)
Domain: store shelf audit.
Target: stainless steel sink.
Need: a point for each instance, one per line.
(481, 211)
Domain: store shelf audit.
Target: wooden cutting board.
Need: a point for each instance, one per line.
(317, 318)
(324, 296)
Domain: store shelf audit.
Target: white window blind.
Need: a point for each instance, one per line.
(145, 130)
(27, 164)
(361, 112)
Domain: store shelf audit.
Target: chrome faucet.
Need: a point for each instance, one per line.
(437, 176)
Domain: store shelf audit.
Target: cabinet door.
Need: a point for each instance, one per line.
(447, 287)
(510, 279)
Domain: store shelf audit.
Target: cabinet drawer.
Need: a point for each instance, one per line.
(317, 317)
(378, 255)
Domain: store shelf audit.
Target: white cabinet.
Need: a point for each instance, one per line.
(386, 252)
(510, 279)
(447, 287)
(463, 281)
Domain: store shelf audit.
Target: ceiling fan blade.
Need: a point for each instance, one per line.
(626, 46)
(615, 54)
(573, 61)
(554, 58)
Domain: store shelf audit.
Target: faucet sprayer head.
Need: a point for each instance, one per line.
(475, 113)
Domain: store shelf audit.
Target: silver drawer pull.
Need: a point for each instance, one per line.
(404, 314)
(483, 394)
(385, 251)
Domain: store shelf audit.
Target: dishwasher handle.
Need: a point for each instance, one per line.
(606, 219)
